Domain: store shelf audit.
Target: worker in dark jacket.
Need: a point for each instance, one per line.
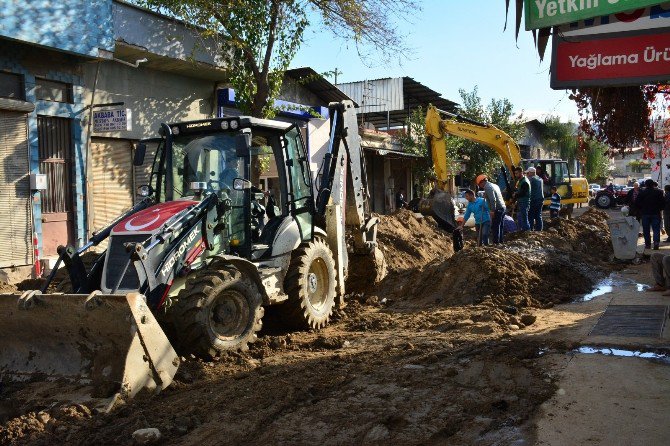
(522, 198)
(650, 203)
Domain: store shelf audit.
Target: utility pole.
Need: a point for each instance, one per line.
(336, 72)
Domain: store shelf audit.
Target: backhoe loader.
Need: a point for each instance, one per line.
(190, 268)
(440, 206)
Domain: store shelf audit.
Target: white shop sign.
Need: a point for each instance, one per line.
(112, 120)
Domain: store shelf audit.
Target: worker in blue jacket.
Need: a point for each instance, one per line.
(478, 207)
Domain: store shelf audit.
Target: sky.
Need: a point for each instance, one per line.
(455, 44)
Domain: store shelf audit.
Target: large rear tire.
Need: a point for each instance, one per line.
(310, 285)
(219, 310)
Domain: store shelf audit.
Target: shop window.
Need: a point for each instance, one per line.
(54, 91)
(11, 86)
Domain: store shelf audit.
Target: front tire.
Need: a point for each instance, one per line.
(219, 310)
(310, 285)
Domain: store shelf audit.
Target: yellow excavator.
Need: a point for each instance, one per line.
(441, 204)
(572, 189)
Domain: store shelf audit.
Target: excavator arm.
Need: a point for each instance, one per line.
(487, 134)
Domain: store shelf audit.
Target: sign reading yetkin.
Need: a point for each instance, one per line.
(629, 60)
(545, 13)
(112, 120)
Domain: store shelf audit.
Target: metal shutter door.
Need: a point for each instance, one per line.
(112, 183)
(15, 222)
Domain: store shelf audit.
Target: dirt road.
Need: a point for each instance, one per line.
(439, 353)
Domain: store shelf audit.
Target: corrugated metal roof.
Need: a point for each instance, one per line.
(390, 100)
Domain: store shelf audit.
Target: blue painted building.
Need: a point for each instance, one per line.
(43, 48)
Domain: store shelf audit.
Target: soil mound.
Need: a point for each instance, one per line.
(409, 241)
(532, 269)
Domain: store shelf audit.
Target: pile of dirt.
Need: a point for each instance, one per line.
(532, 269)
(411, 241)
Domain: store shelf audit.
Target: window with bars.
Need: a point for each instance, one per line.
(55, 159)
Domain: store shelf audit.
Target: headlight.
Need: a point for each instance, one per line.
(234, 124)
(224, 125)
(175, 130)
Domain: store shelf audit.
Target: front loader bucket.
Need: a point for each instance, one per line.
(110, 345)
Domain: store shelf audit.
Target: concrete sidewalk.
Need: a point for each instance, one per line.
(603, 399)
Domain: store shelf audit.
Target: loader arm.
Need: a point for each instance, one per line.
(487, 134)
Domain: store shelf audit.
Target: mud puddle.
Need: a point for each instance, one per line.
(608, 285)
(611, 351)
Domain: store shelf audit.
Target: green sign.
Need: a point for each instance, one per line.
(545, 13)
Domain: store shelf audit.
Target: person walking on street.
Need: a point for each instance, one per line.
(496, 204)
(478, 207)
(555, 206)
(536, 200)
(666, 212)
(522, 198)
(631, 196)
(650, 203)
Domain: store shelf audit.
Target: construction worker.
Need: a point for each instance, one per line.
(497, 207)
(478, 207)
(536, 200)
(522, 198)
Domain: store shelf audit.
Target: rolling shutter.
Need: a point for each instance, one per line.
(112, 182)
(16, 223)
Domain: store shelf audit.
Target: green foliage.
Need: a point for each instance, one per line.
(639, 165)
(478, 157)
(597, 165)
(560, 139)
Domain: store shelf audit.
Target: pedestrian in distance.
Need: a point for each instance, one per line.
(650, 203)
(666, 212)
(536, 200)
(555, 206)
(631, 196)
(496, 203)
(522, 198)
(478, 207)
(660, 270)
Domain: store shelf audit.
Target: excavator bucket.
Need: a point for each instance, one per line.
(110, 346)
(441, 207)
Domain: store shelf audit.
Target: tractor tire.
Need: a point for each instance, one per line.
(310, 285)
(218, 310)
(604, 202)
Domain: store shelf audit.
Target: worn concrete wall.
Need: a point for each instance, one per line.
(161, 35)
(152, 96)
(60, 25)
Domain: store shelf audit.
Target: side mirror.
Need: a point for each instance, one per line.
(140, 151)
(243, 145)
(241, 184)
(145, 190)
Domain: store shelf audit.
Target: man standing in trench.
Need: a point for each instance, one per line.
(496, 204)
